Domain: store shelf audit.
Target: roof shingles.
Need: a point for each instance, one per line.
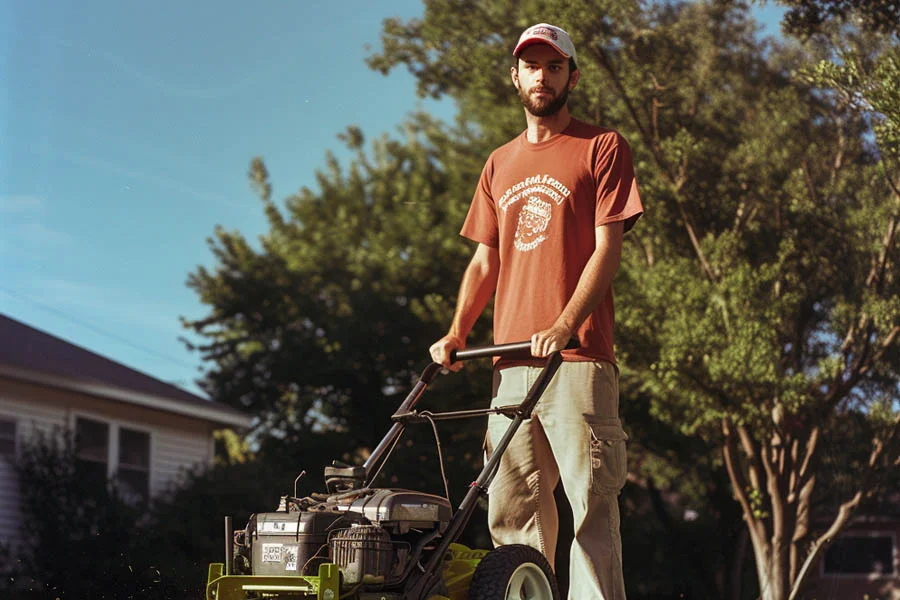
(24, 347)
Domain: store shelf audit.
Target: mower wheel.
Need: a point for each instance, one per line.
(514, 572)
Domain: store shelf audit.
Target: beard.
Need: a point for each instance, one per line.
(542, 107)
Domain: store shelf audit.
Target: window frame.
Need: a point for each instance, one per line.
(868, 533)
(15, 436)
(112, 450)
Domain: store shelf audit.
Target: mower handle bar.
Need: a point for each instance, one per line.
(501, 350)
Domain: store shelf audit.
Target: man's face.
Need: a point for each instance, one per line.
(543, 80)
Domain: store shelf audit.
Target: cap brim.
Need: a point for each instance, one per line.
(537, 40)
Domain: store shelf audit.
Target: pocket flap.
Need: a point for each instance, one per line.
(607, 429)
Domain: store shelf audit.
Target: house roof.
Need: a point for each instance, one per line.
(32, 355)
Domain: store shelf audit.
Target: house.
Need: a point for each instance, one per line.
(140, 431)
(864, 559)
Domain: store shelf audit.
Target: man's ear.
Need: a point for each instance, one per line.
(573, 79)
(514, 75)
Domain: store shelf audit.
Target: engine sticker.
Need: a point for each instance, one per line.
(283, 527)
(290, 557)
(272, 552)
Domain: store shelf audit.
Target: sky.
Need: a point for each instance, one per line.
(126, 133)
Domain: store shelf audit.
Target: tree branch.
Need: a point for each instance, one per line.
(875, 278)
(812, 444)
(861, 368)
(646, 249)
(753, 452)
(647, 138)
(739, 483)
(603, 60)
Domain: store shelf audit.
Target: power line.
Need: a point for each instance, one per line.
(96, 329)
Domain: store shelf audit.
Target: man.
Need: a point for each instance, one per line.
(549, 213)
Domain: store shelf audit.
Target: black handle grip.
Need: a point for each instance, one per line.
(501, 350)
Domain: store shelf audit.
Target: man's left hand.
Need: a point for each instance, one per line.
(548, 341)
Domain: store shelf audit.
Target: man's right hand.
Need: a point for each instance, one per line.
(441, 349)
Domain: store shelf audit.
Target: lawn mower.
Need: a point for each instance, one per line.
(360, 542)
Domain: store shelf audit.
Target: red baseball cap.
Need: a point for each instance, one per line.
(544, 33)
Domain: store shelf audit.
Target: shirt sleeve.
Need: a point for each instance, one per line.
(618, 198)
(481, 222)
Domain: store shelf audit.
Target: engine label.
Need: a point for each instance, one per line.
(282, 527)
(290, 557)
(273, 553)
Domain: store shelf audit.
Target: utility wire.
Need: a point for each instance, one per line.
(96, 329)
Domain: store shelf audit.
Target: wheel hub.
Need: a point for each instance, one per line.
(528, 582)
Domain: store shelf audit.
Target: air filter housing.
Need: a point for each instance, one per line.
(362, 550)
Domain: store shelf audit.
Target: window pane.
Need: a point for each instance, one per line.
(92, 440)
(134, 449)
(7, 438)
(860, 555)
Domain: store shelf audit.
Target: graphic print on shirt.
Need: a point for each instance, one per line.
(533, 221)
(539, 193)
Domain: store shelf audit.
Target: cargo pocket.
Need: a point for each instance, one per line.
(609, 466)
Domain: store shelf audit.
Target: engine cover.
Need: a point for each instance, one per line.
(401, 510)
(290, 543)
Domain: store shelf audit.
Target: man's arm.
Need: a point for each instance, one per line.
(478, 285)
(591, 289)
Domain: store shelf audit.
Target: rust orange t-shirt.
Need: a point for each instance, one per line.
(539, 204)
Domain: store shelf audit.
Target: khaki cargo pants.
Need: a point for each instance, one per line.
(574, 435)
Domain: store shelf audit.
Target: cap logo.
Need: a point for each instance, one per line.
(544, 31)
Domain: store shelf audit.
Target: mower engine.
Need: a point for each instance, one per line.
(372, 535)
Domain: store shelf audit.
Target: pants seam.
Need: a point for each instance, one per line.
(537, 514)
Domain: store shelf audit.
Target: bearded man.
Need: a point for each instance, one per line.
(549, 214)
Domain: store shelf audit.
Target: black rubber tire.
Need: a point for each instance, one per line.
(494, 573)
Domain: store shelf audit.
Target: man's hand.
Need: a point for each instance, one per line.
(441, 349)
(548, 341)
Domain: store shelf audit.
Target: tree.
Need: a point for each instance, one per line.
(758, 299)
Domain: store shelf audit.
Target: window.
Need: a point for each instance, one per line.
(860, 555)
(7, 438)
(92, 450)
(133, 474)
(108, 451)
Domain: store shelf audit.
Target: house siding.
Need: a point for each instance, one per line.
(177, 443)
(168, 451)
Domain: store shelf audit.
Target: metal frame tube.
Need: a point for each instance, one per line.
(229, 546)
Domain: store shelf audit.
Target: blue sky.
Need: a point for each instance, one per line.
(126, 132)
